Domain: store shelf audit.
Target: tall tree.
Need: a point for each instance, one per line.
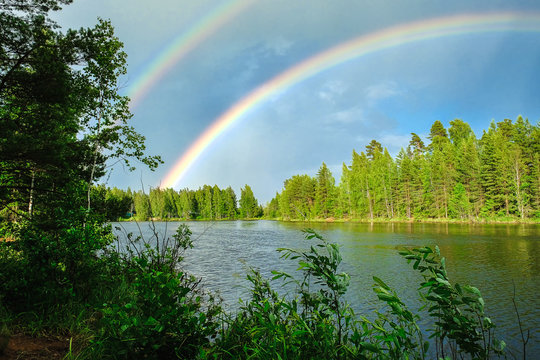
(249, 207)
(417, 145)
(373, 148)
(60, 112)
(437, 135)
(344, 202)
(324, 192)
(459, 131)
(230, 203)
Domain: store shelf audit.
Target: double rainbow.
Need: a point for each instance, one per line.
(352, 49)
(183, 45)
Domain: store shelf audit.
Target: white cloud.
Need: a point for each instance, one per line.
(348, 116)
(279, 46)
(331, 90)
(383, 90)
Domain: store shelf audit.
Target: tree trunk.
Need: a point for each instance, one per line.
(369, 201)
(31, 200)
(519, 200)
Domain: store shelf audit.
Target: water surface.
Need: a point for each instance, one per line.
(493, 258)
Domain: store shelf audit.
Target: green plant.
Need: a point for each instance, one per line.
(164, 313)
(395, 333)
(63, 261)
(461, 326)
(315, 323)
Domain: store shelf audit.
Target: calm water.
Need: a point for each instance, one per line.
(490, 257)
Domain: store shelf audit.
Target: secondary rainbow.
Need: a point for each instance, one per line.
(183, 45)
(357, 47)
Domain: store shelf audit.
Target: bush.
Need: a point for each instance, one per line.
(163, 313)
(60, 264)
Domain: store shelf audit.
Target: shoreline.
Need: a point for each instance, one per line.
(362, 221)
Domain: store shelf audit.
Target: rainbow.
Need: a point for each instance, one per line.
(182, 45)
(357, 47)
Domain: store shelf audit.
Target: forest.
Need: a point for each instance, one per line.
(455, 176)
(206, 203)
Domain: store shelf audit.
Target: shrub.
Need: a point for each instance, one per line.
(164, 313)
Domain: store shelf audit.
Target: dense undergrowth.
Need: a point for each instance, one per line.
(131, 299)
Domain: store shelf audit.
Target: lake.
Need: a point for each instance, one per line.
(490, 257)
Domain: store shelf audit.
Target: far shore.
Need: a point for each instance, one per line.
(477, 221)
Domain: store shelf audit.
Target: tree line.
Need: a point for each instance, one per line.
(206, 203)
(455, 176)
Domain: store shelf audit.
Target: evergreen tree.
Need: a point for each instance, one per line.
(230, 203)
(324, 192)
(459, 131)
(459, 203)
(417, 145)
(297, 198)
(361, 197)
(468, 166)
(406, 176)
(271, 210)
(344, 202)
(374, 147)
(249, 207)
(437, 135)
(141, 203)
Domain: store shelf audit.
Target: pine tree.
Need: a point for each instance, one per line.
(362, 200)
(459, 202)
(249, 207)
(417, 145)
(406, 176)
(344, 202)
(230, 203)
(459, 131)
(324, 192)
(141, 203)
(373, 148)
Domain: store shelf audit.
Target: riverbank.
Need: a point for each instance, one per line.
(479, 221)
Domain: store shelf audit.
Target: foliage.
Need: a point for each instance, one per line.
(249, 208)
(165, 314)
(44, 266)
(315, 322)
(61, 116)
(206, 203)
(459, 315)
(455, 176)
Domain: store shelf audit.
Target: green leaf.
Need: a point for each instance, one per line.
(443, 281)
(387, 298)
(124, 328)
(151, 321)
(381, 283)
(473, 290)
(370, 347)
(425, 250)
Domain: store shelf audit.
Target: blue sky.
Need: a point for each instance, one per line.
(384, 96)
